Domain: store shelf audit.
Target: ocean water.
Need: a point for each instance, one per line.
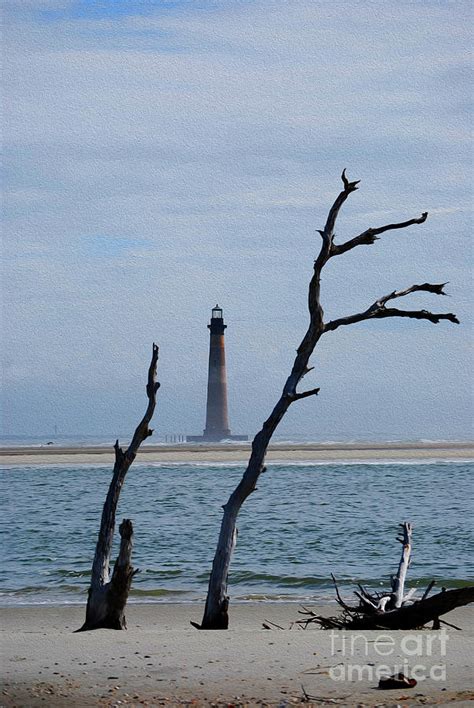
(305, 522)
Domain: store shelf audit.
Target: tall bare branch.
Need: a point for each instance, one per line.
(217, 602)
(370, 236)
(107, 598)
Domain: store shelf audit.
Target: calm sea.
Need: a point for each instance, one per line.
(304, 522)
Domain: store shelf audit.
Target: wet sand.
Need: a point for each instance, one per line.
(162, 660)
(278, 452)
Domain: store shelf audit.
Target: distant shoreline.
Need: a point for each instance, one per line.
(232, 452)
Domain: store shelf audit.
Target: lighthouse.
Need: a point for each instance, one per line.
(217, 415)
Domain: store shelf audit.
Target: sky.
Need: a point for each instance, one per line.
(162, 157)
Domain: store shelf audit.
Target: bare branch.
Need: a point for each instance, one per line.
(341, 602)
(316, 327)
(399, 586)
(349, 186)
(368, 237)
(379, 311)
(448, 624)
(103, 592)
(142, 431)
(305, 394)
(328, 232)
(409, 595)
(365, 600)
(119, 454)
(217, 601)
(428, 589)
(391, 312)
(436, 288)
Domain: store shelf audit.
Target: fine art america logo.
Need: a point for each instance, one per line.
(419, 656)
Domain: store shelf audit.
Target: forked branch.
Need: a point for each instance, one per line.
(379, 311)
(328, 233)
(370, 236)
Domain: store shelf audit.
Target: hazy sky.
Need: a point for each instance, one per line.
(165, 156)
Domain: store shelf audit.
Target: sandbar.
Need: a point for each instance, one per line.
(238, 453)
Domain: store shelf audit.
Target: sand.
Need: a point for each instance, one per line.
(162, 660)
(238, 453)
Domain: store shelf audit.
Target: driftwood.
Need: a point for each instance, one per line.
(217, 603)
(108, 596)
(394, 609)
(398, 584)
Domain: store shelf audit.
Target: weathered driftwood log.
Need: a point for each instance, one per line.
(217, 602)
(418, 614)
(413, 616)
(395, 609)
(108, 596)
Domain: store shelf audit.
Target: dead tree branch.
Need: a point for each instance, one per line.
(395, 609)
(338, 595)
(379, 311)
(305, 394)
(370, 236)
(398, 594)
(417, 614)
(216, 609)
(428, 589)
(107, 597)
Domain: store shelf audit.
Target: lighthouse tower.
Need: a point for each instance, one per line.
(217, 416)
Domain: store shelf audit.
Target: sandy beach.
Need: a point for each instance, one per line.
(162, 660)
(278, 452)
